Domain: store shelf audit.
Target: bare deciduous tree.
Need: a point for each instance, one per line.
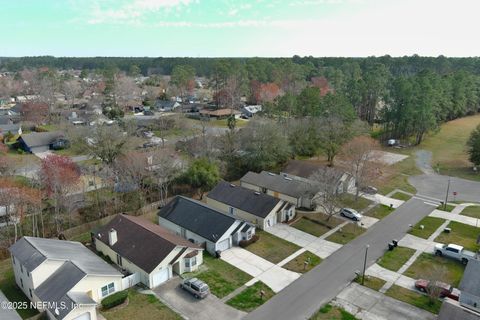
(361, 161)
(324, 187)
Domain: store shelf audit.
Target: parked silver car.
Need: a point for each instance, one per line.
(351, 213)
(197, 287)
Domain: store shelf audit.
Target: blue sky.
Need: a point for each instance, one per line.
(239, 28)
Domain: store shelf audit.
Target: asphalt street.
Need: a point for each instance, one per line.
(435, 186)
(302, 298)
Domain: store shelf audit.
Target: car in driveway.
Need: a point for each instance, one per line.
(445, 289)
(196, 287)
(351, 214)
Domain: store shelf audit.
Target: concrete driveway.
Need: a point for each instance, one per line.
(365, 303)
(182, 302)
(272, 275)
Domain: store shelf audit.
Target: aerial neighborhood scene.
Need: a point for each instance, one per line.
(228, 160)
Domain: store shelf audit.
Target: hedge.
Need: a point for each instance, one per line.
(114, 300)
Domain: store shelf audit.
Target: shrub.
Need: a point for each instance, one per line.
(245, 243)
(114, 300)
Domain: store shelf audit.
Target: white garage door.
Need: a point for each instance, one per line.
(223, 245)
(160, 277)
(85, 316)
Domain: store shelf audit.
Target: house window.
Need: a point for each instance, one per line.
(30, 290)
(13, 259)
(119, 260)
(264, 190)
(21, 282)
(108, 289)
(231, 210)
(192, 262)
(21, 268)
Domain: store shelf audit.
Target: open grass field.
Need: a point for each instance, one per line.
(10, 289)
(415, 299)
(329, 312)
(430, 224)
(250, 298)
(448, 147)
(298, 264)
(221, 277)
(471, 211)
(461, 234)
(395, 259)
(272, 248)
(451, 271)
(141, 306)
(396, 176)
(346, 234)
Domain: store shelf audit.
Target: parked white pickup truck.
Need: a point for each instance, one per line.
(455, 252)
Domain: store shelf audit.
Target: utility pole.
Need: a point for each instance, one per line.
(365, 263)
(446, 195)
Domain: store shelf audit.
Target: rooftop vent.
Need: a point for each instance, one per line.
(287, 178)
(272, 174)
(232, 185)
(257, 193)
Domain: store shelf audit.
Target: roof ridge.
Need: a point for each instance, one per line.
(204, 205)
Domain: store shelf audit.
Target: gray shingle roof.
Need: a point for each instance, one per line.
(36, 139)
(55, 288)
(277, 183)
(452, 310)
(39, 249)
(143, 243)
(256, 203)
(471, 278)
(197, 217)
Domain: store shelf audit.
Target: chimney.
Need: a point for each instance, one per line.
(112, 237)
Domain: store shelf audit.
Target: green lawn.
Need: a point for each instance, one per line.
(471, 211)
(221, 277)
(447, 208)
(430, 225)
(272, 248)
(422, 269)
(395, 259)
(448, 147)
(401, 196)
(461, 234)
(298, 264)
(250, 298)
(347, 200)
(346, 234)
(379, 211)
(371, 282)
(396, 176)
(315, 227)
(329, 312)
(141, 306)
(415, 299)
(222, 123)
(11, 291)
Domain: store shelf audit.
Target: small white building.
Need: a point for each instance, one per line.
(204, 225)
(67, 278)
(148, 251)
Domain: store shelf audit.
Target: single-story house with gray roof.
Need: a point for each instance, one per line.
(39, 141)
(255, 207)
(470, 286)
(65, 278)
(204, 225)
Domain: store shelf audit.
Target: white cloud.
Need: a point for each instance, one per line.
(131, 11)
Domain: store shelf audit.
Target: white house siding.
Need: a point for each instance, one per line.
(250, 186)
(469, 300)
(92, 285)
(45, 270)
(239, 214)
(22, 277)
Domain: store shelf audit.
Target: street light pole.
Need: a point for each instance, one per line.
(365, 263)
(446, 195)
